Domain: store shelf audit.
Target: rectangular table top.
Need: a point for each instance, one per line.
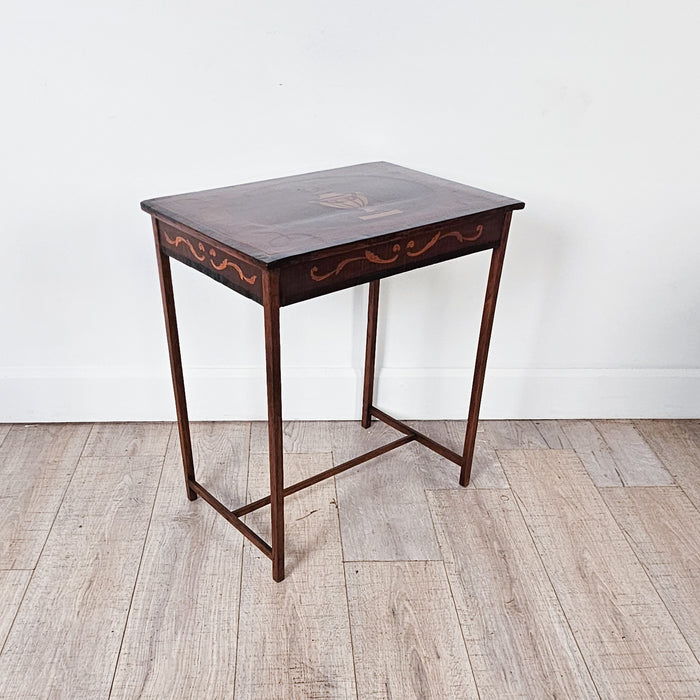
(275, 220)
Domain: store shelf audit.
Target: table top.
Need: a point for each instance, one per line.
(276, 220)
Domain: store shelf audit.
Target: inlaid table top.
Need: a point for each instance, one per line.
(328, 230)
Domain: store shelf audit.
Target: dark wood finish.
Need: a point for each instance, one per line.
(370, 352)
(271, 306)
(482, 352)
(277, 220)
(338, 268)
(283, 241)
(183, 424)
(215, 261)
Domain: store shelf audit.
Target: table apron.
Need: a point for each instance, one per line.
(206, 256)
(329, 271)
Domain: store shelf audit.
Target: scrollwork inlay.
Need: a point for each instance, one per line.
(212, 254)
(396, 249)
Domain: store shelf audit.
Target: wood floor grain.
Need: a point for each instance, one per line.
(181, 636)
(519, 642)
(36, 464)
(66, 636)
(405, 633)
(631, 643)
(439, 473)
(299, 436)
(677, 443)
(591, 448)
(294, 636)
(383, 510)
(570, 568)
(13, 583)
(663, 528)
(636, 462)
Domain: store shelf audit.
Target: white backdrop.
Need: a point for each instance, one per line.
(587, 111)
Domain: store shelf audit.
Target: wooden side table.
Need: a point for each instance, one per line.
(283, 241)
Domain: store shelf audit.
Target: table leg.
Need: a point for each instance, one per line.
(482, 352)
(271, 305)
(183, 425)
(370, 352)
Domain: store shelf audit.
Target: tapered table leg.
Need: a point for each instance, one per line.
(183, 425)
(482, 352)
(370, 352)
(271, 305)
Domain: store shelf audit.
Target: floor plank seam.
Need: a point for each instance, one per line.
(551, 583)
(454, 602)
(138, 570)
(46, 539)
(240, 578)
(668, 469)
(646, 573)
(345, 582)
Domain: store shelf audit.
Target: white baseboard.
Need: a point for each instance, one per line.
(96, 394)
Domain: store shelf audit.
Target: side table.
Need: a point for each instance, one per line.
(286, 240)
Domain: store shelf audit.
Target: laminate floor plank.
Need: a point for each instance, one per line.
(294, 636)
(631, 645)
(66, 636)
(127, 440)
(518, 638)
(36, 465)
(637, 464)
(439, 473)
(4, 430)
(349, 439)
(512, 435)
(592, 450)
(298, 436)
(405, 633)
(180, 639)
(383, 512)
(663, 528)
(677, 444)
(13, 583)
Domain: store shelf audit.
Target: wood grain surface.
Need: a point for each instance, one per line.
(636, 462)
(405, 633)
(663, 528)
(13, 583)
(631, 643)
(36, 464)
(519, 642)
(299, 436)
(294, 636)
(125, 589)
(181, 636)
(438, 473)
(677, 443)
(66, 637)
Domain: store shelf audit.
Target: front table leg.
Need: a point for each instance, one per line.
(370, 353)
(271, 305)
(183, 425)
(482, 352)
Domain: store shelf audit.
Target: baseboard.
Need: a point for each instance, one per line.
(95, 394)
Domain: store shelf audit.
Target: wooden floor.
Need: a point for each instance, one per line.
(570, 568)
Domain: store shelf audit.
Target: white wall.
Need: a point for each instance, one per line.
(588, 111)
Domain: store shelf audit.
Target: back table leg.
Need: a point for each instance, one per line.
(271, 305)
(166, 289)
(482, 352)
(370, 352)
